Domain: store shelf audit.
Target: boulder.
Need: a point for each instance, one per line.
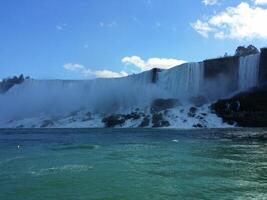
(113, 120)
(133, 115)
(145, 122)
(159, 121)
(245, 51)
(192, 112)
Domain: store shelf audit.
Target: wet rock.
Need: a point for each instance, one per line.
(247, 109)
(198, 126)
(159, 121)
(133, 115)
(154, 75)
(113, 120)
(145, 122)
(164, 104)
(8, 83)
(47, 123)
(222, 72)
(192, 112)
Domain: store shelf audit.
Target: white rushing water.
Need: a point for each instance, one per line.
(184, 81)
(248, 71)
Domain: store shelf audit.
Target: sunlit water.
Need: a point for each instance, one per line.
(132, 164)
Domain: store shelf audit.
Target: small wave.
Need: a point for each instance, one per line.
(11, 159)
(61, 169)
(77, 147)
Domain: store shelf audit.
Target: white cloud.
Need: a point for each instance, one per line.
(241, 22)
(260, 2)
(210, 2)
(61, 27)
(88, 73)
(151, 63)
(203, 28)
(108, 25)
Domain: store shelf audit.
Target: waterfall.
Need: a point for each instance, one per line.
(183, 81)
(248, 71)
(36, 97)
(105, 96)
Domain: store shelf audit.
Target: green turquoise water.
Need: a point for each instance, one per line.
(132, 164)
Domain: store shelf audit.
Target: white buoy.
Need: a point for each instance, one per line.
(18, 146)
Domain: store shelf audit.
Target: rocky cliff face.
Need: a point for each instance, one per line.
(245, 51)
(8, 83)
(221, 72)
(247, 109)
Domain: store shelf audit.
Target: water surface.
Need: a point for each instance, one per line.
(132, 164)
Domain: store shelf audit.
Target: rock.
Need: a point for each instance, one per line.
(158, 120)
(154, 75)
(8, 83)
(222, 72)
(192, 112)
(145, 122)
(247, 109)
(198, 101)
(165, 123)
(164, 104)
(113, 120)
(245, 51)
(133, 115)
(198, 126)
(47, 123)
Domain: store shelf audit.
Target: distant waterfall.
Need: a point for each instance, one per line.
(183, 81)
(248, 71)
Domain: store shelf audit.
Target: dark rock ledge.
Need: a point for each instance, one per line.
(246, 109)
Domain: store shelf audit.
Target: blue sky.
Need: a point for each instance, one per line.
(79, 39)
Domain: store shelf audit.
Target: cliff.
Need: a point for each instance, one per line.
(247, 109)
